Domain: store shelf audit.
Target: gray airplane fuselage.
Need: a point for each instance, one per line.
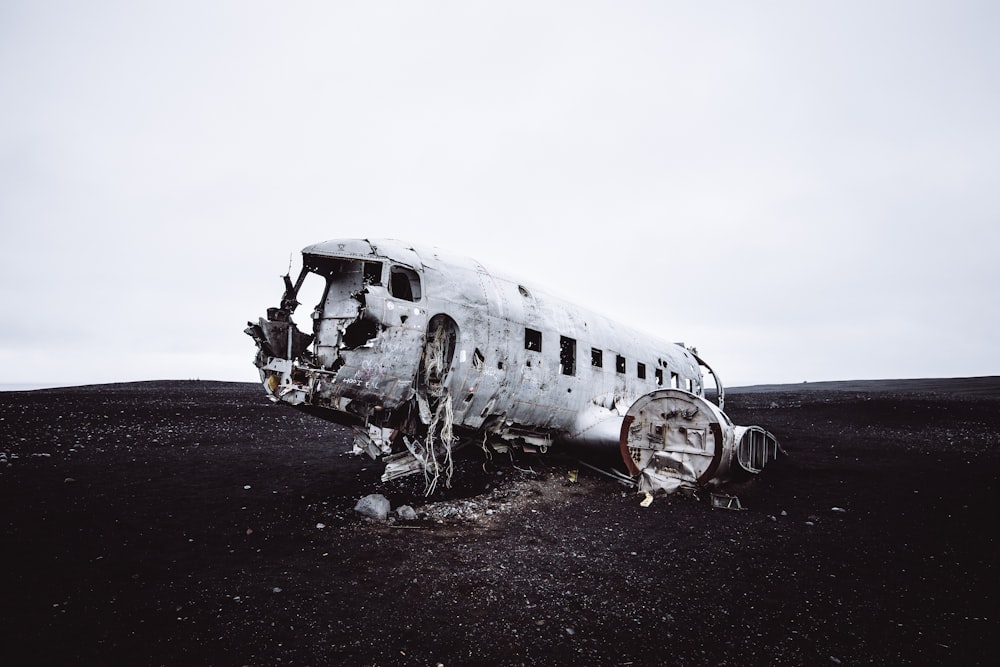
(403, 339)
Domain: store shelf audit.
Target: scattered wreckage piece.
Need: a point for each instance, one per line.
(421, 353)
(726, 501)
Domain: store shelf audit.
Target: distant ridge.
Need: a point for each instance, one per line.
(136, 385)
(984, 385)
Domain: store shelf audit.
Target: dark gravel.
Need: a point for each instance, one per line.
(194, 523)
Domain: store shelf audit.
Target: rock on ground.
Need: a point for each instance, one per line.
(374, 506)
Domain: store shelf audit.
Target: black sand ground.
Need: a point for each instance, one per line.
(194, 523)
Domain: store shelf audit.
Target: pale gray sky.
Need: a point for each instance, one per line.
(804, 190)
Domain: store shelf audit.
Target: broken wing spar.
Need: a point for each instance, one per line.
(421, 352)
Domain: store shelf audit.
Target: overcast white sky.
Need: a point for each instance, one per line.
(804, 190)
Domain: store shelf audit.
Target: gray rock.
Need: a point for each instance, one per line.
(406, 513)
(374, 506)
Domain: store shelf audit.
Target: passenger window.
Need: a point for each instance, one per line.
(567, 355)
(640, 370)
(596, 357)
(674, 381)
(532, 340)
(659, 377)
(404, 283)
(620, 364)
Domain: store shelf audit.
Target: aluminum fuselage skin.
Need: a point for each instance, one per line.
(493, 377)
(400, 339)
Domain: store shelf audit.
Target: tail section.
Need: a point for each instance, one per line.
(673, 439)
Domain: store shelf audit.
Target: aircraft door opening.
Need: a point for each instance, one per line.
(435, 364)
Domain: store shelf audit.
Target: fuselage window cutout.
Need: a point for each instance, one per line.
(640, 370)
(567, 355)
(620, 364)
(674, 381)
(596, 357)
(373, 273)
(659, 377)
(532, 340)
(524, 291)
(404, 283)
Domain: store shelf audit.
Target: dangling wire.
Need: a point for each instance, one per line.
(441, 427)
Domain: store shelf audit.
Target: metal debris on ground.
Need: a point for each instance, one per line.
(726, 501)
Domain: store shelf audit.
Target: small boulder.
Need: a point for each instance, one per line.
(406, 513)
(374, 506)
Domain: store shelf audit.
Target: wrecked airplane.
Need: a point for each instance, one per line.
(421, 353)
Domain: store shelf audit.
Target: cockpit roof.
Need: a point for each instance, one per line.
(390, 249)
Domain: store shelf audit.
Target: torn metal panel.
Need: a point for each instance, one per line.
(755, 448)
(422, 352)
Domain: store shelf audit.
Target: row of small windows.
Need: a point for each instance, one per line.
(567, 358)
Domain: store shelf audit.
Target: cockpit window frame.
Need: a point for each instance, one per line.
(404, 283)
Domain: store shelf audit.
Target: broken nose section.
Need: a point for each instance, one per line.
(279, 342)
(673, 439)
(277, 336)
